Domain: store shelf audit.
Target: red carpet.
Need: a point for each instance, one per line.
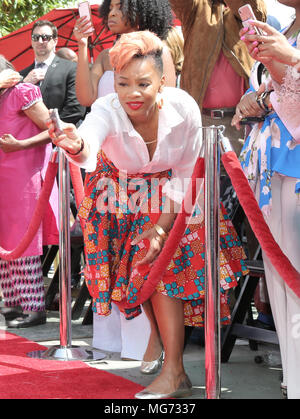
(22, 377)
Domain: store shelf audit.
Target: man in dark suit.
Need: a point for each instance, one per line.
(55, 75)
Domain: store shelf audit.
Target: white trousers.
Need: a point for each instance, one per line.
(284, 223)
(114, 333)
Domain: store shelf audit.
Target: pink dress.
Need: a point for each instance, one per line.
(22, 174)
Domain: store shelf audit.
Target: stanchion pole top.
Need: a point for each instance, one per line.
(54, 155)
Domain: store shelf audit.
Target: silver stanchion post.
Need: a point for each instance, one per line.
(65, 351)
(212, 265)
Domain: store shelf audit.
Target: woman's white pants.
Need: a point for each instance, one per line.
(284, 223)
(114, 333)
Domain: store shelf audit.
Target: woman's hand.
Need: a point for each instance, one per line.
(9, 78)
(35, 76)
(9, 144)
(247, 107)
(156, 243)
(272, 45)
(70, 140)
(82, 30)
(247, 35)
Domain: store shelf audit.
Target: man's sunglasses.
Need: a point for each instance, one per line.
(45, 38)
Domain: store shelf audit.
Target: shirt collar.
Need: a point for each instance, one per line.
(49, 60)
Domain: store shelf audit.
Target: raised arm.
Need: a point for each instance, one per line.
(87, 78)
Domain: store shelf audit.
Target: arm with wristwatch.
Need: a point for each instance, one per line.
(277, 55)
(253, 106)
(282, 60)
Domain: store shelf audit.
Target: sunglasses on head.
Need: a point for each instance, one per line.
(36, 38)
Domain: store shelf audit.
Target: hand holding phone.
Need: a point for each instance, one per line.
(84, 10)
(57, 122)
(247, 15)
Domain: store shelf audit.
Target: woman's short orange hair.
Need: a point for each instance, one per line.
(134, 45)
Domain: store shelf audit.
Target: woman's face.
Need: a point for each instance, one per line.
(116, 21)
(137, 86)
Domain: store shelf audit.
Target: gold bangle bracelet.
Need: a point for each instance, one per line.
(160, 231)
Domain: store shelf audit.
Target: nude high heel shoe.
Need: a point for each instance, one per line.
(184, 390)
(151, 367)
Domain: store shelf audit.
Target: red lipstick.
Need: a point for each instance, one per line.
(134, 105)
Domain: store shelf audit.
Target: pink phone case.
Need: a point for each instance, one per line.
(246, 13)
(84, 10)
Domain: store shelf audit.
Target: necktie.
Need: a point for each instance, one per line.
(40, 65)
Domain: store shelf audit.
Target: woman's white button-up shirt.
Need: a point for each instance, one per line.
(179, 139)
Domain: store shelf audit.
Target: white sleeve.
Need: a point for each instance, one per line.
(178, 185)
(93, 131)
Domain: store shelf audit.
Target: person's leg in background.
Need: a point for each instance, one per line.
(114, 333)
(284, 223)
(23, 285)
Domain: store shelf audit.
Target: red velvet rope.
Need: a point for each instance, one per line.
(256, 219)
(37, 216)
(159, 267)
(77, 183)
(247, 200)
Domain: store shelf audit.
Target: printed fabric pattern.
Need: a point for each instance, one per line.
(115, 209)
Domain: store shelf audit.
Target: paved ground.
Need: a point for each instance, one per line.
(241, 377)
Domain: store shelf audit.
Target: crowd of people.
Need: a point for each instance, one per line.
(133, 122)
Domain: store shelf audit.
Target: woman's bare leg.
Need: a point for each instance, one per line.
(155, 346)
(170, 319)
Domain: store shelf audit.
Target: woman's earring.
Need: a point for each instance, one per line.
(160, 101)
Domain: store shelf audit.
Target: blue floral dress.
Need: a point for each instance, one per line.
(269, 148)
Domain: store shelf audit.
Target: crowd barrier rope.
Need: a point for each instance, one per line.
(77, 182)
(37, 215)
(244, 193)
(258, 224)
(251, 208)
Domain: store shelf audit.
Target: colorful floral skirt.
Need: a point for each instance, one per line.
(117, 207)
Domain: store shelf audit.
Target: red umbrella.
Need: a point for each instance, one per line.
(16, 47)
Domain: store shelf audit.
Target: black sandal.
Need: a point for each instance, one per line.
(10, 313)
(27, 320)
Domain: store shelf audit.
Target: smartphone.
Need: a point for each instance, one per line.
(84, 10)
(57, 122)
(247, 14)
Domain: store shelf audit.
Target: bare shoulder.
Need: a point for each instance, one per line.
(103, 61)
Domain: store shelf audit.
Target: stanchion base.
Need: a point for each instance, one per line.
(73, 353)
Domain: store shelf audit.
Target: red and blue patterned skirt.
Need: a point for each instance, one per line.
(117, 208)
